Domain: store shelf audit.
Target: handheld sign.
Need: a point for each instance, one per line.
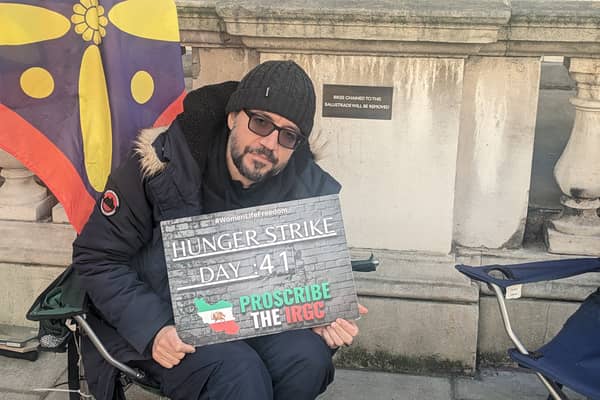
(258, 271)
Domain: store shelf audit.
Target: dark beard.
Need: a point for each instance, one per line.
(255, 173)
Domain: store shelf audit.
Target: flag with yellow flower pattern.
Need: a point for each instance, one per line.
(78, 80)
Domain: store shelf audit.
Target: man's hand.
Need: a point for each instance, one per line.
(341, 332)
(168, 349)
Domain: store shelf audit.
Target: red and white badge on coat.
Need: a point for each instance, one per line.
(110, 203)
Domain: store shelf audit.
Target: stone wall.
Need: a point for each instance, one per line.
(32, 254)
(447, 179)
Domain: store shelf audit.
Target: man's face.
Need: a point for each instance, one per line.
(252, 158)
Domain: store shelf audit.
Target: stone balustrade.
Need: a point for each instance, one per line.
(21, 197)
(32, 251)
(577, 172)
(481, 57)
(447, 178)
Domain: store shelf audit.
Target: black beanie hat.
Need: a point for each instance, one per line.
(280, 87)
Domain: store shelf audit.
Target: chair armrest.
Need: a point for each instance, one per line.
(368, 265)
(80, 319)
(515, 274)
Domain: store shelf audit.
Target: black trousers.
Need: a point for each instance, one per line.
(293, 365)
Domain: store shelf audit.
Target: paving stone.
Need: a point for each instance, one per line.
(59, 395)
(137, 393)
(367, 385)
(133, 392)
(18, 379)
(501, 385)
(22, 375)
(18, 396)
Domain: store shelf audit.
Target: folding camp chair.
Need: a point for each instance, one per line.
(61, 310)
(572, 357)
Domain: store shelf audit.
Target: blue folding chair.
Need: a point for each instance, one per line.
(572, 357)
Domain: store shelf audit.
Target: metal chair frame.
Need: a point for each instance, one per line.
(555, 392)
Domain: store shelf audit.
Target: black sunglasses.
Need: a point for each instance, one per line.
(262, 126)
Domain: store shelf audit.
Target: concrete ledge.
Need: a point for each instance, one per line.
(555, 21)
(466, 27)
(199, 24)
(467, 12)
(564, 243)
(36, 243)
(199, 15)
(20, 286)
(566, 28)
(466, 21)
(422, 314)
(415, 276)
(417, 334)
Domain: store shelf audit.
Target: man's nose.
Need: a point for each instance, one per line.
(270, 141)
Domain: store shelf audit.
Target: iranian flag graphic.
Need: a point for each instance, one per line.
(218, 316)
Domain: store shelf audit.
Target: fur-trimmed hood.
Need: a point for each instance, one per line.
(202, 118)
(150, 163)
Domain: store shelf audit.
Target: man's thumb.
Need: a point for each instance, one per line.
(362, 309)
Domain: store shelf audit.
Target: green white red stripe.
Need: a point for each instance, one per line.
(218, 316)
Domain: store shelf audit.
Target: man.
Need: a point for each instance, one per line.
(234, 146)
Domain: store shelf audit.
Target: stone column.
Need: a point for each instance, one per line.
(21, 197)
(497, 129)
(59, 215)
(577, 172)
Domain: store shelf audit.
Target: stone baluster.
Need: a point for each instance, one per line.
(21, 197)
(59, 214)
(577, 172)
